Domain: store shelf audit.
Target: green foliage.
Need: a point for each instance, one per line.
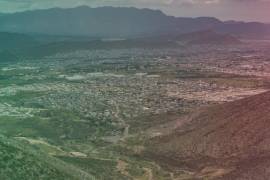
(101, 168)
(16, 163)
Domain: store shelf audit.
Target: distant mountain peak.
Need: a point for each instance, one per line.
(118, 22)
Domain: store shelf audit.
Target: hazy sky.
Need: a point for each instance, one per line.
(251, 10)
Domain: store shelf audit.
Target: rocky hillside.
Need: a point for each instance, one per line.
(225, 141)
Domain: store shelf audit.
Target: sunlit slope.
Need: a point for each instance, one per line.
(232, 138)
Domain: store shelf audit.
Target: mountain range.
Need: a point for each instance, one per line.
(120, 22)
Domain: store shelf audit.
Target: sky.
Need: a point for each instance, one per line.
(247, 10)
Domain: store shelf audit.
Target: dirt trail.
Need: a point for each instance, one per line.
(148, 173)
(121, 167)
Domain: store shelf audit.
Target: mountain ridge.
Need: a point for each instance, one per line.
(118, 22)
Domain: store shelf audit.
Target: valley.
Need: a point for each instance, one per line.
(104, 110)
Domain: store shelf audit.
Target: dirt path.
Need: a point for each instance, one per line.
(148, 173)
(121, 167)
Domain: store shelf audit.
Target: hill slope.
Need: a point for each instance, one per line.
(15, 40)
(234, 136)
(23, 162)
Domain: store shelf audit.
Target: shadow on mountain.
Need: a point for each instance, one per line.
(170, 41)
(10, 41)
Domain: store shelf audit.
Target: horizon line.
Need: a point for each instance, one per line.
(132, 7)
